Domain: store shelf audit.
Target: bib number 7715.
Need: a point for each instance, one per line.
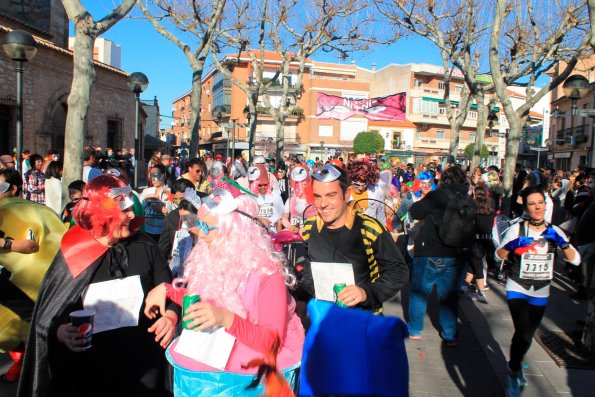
(537, 266)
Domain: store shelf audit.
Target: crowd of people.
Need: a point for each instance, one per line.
(248, 238)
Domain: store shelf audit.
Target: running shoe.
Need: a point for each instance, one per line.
(512, 387)
(521, 378)
(480, 297)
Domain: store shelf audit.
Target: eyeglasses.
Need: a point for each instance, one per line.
(326, 173)
(359, 185)
(202, 226)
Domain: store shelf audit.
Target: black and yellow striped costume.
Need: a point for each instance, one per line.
(364, 242)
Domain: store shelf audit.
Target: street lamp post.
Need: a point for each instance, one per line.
(575, 87)
(20, 47)
(137, 82)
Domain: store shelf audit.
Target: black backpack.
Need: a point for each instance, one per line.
(457, 227)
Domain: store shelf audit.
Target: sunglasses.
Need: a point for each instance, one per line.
(326, 173)
(202, 226)
(157, 176)
(359, 185)
(262, 184)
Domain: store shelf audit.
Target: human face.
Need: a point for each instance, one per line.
(75, 195)
(426, 187)
(123, 230)
(262, 188)
(38, 164)
(208, 221)
(195, 172)
(535, 206)
(359, 187)
(11, 192)
(331, 203)
(166, 161)
(157, 177)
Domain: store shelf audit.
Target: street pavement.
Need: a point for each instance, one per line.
(477, 366)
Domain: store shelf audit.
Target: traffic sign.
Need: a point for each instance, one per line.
(539, 149)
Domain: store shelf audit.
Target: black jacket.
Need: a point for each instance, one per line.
(430, 209)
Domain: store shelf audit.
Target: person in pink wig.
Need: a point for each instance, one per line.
(242, 283)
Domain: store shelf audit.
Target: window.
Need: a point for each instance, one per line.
(417, 83)
(417, 133)
(325, 130)
(472, 115)
(440, 134)
(458, 89)
(442, 110)
(472, 136)
(426, 107)
(441, 85)
(113, 133)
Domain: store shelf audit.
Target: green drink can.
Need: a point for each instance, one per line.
(336, 289)
(188, 300)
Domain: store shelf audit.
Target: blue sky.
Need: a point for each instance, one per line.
(145, 50)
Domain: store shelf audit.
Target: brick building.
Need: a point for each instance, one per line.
(46, 85)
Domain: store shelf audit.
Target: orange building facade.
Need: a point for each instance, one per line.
(423, 132)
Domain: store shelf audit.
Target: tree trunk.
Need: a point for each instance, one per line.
(512, 151)
(280, 130)
(195, 100)
(78, 103)
(482, 118)
(453, 146)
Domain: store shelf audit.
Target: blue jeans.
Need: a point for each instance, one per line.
(446, 275)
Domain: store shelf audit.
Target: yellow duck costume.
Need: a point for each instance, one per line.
(18, 219)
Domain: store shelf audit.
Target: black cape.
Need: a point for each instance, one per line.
(124, 362)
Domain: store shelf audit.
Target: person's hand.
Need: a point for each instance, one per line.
(155, 301)
(206, 315)
(551, 235)
(352, 295)
(164, 328)
(69, 335)
(24, 246)
(518, 243)
(265, 222)
(295, 229)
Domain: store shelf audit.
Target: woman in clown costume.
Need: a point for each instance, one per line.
(242, 284)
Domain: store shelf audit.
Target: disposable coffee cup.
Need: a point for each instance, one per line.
(83, 320)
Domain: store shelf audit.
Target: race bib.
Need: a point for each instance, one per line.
(537, 267)
(297, 221)
(266, 211)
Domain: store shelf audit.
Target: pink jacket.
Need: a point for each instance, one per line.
(270, 311)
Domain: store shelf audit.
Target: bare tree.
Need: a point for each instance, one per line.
(295, 31)
(86, 31)
(197, 21)
(528, 37)
(455, 28)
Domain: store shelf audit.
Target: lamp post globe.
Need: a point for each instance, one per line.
(21, 47)
(576, 87)
(137, 83)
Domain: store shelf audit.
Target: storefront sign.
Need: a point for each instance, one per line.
(563, 155)
(388, 108)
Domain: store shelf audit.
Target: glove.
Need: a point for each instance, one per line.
(551, 235)
(518, 243)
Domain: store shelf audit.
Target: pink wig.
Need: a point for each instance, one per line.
(219, 272)
(363, 171)
(97, 211)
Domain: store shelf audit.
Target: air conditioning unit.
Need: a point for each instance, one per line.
(570, 140)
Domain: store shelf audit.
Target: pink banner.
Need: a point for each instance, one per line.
(387, 108)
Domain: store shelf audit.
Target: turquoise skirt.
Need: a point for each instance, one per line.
(189, 383)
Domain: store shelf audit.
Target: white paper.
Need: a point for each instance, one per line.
(210, 348)
(116, 303)
(326, 275)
